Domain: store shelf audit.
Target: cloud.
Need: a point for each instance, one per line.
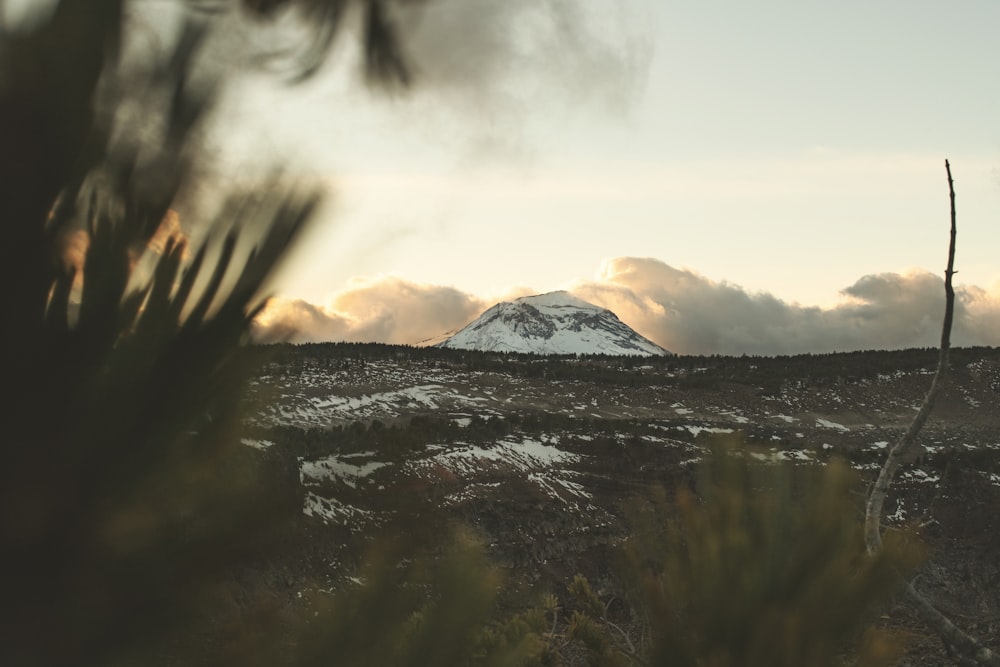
(691, 314)
(487, 70)
(383, 309)
(679, 309)
(523, 49)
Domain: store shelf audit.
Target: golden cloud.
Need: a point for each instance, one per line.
(678, 309)
(382, 309)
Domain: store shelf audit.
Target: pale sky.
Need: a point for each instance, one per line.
(784, 147)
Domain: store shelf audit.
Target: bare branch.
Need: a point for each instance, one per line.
(908, 442)
(906, 445)
(630, 647)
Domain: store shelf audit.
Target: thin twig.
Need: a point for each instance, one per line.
(948, 631)
(907, 442)
(628, 640)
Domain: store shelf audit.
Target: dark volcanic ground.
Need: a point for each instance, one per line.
(539, 453)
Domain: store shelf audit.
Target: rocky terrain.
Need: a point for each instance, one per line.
(539, 453)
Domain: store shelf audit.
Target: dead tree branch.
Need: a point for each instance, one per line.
(948, 631)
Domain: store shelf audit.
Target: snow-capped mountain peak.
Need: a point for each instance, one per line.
(552, 323)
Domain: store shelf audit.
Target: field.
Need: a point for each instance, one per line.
(541, 455)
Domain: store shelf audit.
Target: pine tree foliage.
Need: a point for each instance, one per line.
(763, 565)
(124, 489)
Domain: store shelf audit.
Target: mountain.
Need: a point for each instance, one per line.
(552, 323)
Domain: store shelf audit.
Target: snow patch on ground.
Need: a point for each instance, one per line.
(332, 467)
(471, 491)
(332, 510)
(735, 416)
(695, 430)
(559, 487)
(899, 516)
(829, 424)
(775, 456)
(425, 396)
(522, 454)
(794, 455)
(256, 444)
(321, 411)
(919, 476)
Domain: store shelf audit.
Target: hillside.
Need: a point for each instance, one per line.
(538, 453)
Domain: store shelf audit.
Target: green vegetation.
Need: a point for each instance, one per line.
(126, 500)
(767, 567)
(687, 371)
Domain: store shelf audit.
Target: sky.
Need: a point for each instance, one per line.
(727, 177)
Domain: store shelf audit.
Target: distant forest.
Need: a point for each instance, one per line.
(767, 373)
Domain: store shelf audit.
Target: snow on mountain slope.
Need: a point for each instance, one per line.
(553, 323)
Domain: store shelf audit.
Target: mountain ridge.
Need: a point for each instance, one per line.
(551, 323)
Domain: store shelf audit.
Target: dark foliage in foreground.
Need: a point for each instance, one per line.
(124, 491)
